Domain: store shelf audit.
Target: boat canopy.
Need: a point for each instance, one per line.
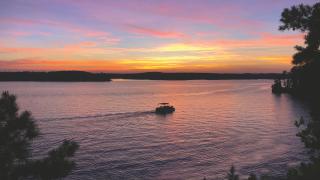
(163, 103)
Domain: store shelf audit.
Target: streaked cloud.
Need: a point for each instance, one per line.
(138, 35)
(153, 32)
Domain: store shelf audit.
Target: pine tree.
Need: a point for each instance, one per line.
(17, 130)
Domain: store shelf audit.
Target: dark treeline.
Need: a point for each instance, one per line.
(303, 79)
(194, 76)
(61, 76)
(87, 76)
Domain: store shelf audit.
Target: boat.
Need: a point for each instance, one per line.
(164, 108)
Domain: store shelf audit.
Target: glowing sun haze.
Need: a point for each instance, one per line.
(146, 35)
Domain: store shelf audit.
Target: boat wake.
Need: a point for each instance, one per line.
(125, 114)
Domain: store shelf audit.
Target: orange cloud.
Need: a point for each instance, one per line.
(261, 64)
(226, 54)
(266, 40)
(84, 48)
(69, 64)
(184, 47)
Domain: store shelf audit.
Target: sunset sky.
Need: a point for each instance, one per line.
(146, 35)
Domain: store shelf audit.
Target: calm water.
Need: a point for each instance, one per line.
(216, 124)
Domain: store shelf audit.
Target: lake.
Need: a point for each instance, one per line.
(217, 124)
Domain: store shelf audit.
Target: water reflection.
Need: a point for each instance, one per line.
(216, 124)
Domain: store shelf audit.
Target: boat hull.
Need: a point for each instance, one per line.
(165, 110)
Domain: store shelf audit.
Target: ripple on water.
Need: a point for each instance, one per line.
(217, 124)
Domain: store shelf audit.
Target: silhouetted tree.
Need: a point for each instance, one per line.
(17, 130)
(306, 72)
(252, 177)
(310, 136)
(232, 174)
(305, 78)
(304, 18)
(277, 87)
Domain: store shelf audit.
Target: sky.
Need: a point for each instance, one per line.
(221, 36)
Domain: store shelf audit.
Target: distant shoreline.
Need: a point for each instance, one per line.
(194, 76)
(82, 76)
(54, 76)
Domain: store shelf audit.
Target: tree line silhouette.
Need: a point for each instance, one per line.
(87, 76)
(62, 76)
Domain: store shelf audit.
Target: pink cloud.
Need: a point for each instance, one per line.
(265, 40)
(104, 37)
(223, 15)
(138, 15)
(153, 32)
(17, 21)
(26, 33)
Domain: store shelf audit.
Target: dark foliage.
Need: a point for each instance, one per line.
(232, 174)
(310, 136)
(252, 177)
(70, 76)
(17, 130)
(194, 76)
(304, 81)
(61, 76)
(304, 76)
